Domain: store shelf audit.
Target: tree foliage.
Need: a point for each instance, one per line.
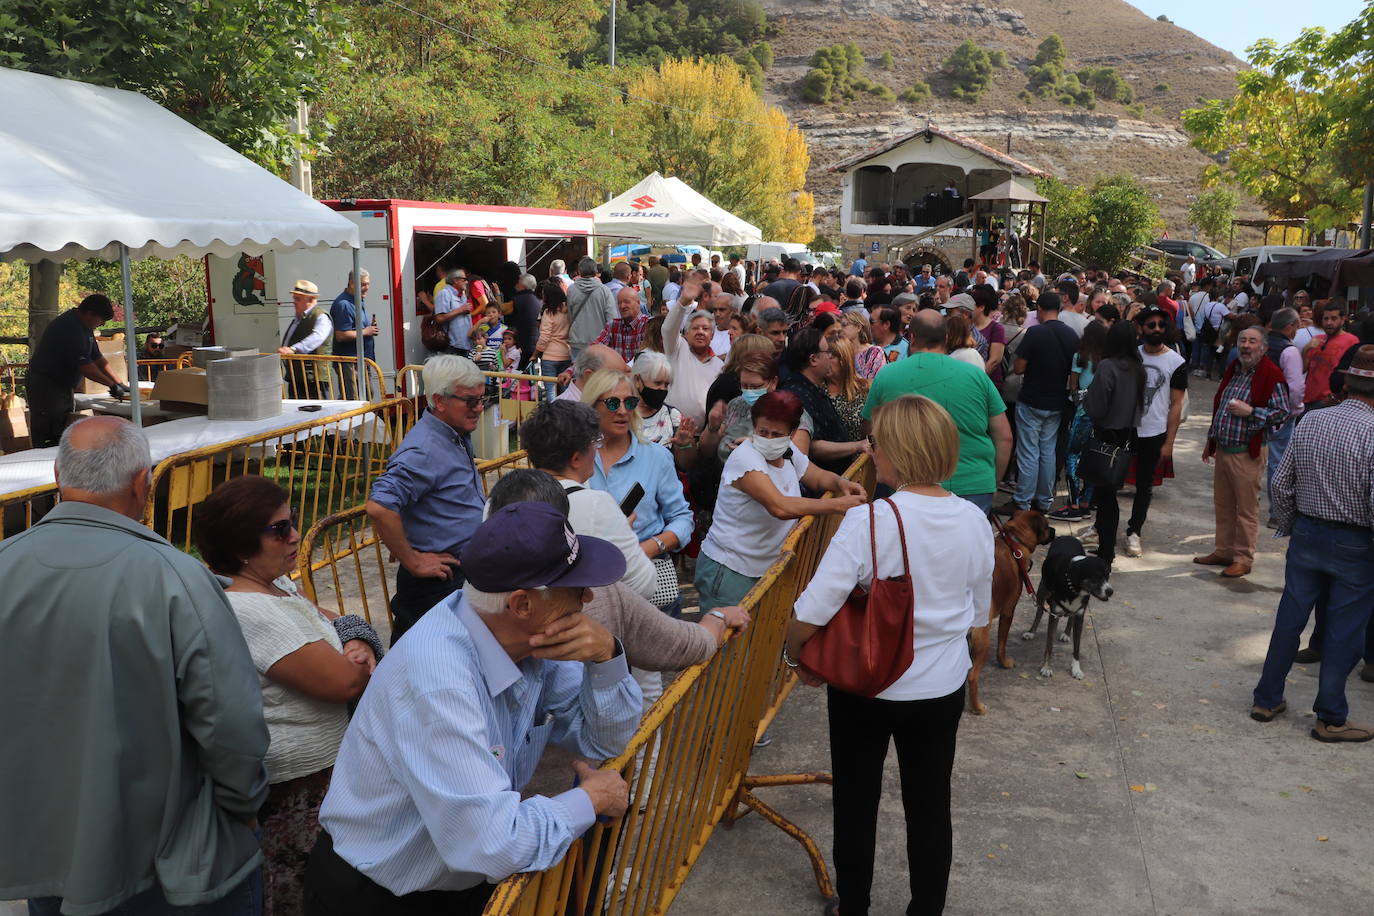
(1299, 133)
(970, 70)
(1099, 225)
(646, 31)
(427, 113)
(1213, 211)
(835, 74)
(916, 93)
(233, 68)
(754, 165)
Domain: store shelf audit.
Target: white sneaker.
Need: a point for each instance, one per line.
(1089, 538)
(1133, 548)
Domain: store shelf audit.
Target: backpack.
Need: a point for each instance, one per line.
(1208, 332)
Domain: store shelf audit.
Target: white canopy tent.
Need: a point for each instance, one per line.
(89, 172)
(666, 211)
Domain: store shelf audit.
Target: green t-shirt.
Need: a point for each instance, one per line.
(969, 396)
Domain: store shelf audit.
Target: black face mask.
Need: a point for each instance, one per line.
(1154, 338)
(654, 397)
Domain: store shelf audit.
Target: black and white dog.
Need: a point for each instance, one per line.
(1068, 575)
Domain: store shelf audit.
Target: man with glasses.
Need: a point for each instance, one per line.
(453, 310)
(429, 501)
(154, 347)
(625, 335)
(1166, 386)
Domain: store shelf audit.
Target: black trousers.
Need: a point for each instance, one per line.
(49, 406)
(1108, 511)
(924, 732)
(335, 888)
(414, 596)
(1146, 463)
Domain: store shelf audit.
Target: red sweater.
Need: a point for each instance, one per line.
(1267, 377)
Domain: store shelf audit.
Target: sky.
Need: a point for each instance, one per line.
(1237, 24)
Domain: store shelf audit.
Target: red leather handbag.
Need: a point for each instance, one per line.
(869, 643)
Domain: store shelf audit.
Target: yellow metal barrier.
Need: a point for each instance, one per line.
(702, 731)
(310, 376)
(325, 465)
(515, 394)
(22, 508)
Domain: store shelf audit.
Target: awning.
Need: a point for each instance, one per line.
(666, 211)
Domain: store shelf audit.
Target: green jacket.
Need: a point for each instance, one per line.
(134, 735)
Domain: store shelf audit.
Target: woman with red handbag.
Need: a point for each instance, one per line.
(894, 655)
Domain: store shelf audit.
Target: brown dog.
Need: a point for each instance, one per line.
(1015, 544)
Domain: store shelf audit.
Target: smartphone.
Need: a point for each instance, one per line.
(631, 500)
(310, 408)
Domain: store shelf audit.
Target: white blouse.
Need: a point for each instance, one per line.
(743, 536)
(950, 548)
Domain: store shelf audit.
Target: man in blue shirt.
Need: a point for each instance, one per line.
(347, 317)
(858, 266)
(453, 310)
(925, 280)
(429, 500)
(424, 813)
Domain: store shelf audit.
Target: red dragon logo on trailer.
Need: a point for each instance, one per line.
(248, 281)
(643, 203)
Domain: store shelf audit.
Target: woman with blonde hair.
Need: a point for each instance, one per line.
(848, 390)
(959, 342)
(726, 387)
(869, 358)
(663, 520)
(949, 553)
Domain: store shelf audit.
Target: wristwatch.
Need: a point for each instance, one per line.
(662, 547)
(788, 660)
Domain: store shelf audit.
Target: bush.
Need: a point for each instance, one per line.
(1107, 84)
(970, 69)
(1161, 87)
(763, 53)
(833, 74)
(818, 85)
(883, 92)
(887, 61)
(919, 91)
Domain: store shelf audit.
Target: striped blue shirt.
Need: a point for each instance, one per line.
(425, 793)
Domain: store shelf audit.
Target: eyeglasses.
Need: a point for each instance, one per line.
(614, 404)
(471, 403)
(1154, 325)
(157, 346)
(282, 530)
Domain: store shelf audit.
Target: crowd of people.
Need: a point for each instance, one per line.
(227, 741)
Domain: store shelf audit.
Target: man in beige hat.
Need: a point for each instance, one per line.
(310, 332)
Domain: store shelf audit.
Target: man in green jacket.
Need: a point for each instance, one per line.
(311, 332)
(134, 735)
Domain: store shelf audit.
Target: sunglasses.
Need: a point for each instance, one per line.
(471, 403)
(1154, 325)
(613, 404)
(282, 530)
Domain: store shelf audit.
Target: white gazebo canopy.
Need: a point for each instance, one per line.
(90, 172)
(666, 211)
(84, 169)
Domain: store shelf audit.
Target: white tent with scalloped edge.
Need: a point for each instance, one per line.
(665, 211)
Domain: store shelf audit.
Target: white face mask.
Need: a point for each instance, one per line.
(771, 449)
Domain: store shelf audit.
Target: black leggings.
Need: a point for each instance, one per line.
(924, 732)
(1108, 512)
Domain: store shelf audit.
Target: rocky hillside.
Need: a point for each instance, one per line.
(1168, 68)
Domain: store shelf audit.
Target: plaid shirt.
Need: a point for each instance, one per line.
(624, 336)
(1231, 431)
(1328, 471)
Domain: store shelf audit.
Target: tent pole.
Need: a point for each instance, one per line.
(130, 338)
(364, 386)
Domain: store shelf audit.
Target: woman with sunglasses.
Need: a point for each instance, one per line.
(311, 664)
(1115, 403)
(662, 519)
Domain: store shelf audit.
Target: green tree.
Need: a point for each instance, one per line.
(1051, 51)
(834, 74)
(234, 68)
(763, 53)
(1213, 211)
(970, 71)
(887, 61)
(918, 92)
(1099, 226)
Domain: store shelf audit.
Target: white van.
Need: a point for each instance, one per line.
(1249, 260)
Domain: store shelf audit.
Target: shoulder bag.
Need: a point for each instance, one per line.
(433, 334)
(868, 645)
(1103, 463)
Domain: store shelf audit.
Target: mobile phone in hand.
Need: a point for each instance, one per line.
(631, 500)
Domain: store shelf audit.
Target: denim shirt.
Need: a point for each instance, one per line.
(664, 507)
(431, 482)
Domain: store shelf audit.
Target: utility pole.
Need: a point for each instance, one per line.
(611, 41)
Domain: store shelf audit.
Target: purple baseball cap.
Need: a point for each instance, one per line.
(531, 545)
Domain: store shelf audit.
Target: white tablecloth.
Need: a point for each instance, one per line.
(33, 468)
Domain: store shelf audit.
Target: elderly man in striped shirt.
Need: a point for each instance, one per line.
(1324, 496)
(424, 813)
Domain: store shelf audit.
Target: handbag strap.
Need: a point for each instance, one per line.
(873, 537)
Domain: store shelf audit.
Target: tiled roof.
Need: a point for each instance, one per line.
(1015, 166)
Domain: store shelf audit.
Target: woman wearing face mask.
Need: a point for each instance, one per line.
(760, 497)
(758, 375)
(660, 422)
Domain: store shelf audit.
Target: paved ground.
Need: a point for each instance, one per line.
(1143, 789)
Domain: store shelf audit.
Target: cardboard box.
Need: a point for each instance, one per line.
(185, 390)
(14, 425)
(112, 348)
(245, 388)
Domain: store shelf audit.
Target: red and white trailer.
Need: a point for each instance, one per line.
(406, 245)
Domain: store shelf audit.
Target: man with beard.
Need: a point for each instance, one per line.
(1166, 387)
(1252, 399)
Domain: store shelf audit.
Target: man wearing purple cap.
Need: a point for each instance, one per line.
(424, 813)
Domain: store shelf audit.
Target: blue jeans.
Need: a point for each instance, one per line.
(1338, 565)
(982, 500)
(243, 900)
(1278, 444)
(552, 367)
(1036, 432)
(719, 585)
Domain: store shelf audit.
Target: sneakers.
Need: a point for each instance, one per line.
(1133, 548)
(1310, 656)
(1089, 538)
(1069, 514)
(764, 740)
(1262, 714)
(1198, 373)
(1347, 731)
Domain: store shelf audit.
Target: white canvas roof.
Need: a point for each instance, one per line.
(666, 211)
(84, 169)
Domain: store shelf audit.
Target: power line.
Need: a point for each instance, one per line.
(623, 93)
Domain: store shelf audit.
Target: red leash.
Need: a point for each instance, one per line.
(1018, 553)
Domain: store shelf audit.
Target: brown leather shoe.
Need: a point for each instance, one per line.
(1236, 570)
(1212, 559)
(1262, 714)
(1347, 731)
(1310, 656)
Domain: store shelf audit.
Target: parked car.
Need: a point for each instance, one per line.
(1177, 251)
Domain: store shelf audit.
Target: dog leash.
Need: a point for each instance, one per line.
(1018, 553)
